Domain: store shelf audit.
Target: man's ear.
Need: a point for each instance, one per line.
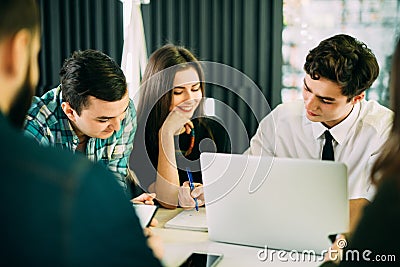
(14, 62)
(69, 111)
(358, 98)
(17, 60)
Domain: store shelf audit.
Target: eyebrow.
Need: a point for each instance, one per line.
(107, 118)
(183, 87)
(320, 97)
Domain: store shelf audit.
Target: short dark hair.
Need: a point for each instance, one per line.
(91, 73)
(16, 15)
(344, 60)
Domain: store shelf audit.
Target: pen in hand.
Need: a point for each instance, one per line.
(191, 185)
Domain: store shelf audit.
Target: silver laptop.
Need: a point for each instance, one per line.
(279, 203)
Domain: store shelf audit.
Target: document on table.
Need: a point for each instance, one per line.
(145, 213)
(189, 220)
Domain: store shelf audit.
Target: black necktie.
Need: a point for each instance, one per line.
(327, 151)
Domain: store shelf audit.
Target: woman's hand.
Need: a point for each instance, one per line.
(186, 198)
(176, 123)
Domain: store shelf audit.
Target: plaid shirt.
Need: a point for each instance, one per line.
(48, 124)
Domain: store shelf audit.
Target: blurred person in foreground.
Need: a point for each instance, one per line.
(58, 209)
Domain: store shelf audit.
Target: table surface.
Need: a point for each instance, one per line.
(179, 244)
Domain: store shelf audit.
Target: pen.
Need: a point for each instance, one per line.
(189, 174)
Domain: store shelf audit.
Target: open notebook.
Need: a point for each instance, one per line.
(189, 220)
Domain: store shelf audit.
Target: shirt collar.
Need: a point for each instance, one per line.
(339, 131)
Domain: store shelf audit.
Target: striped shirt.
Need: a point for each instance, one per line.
(47, 123)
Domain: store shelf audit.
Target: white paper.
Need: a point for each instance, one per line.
(145, 213)
(189, 220)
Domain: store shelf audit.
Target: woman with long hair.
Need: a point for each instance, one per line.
(172, 128)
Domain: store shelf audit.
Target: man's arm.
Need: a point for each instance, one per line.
(357, 205)
(263, 142)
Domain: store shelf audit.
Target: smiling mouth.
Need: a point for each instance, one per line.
(108, 131)
(311, 114)
(186, 108)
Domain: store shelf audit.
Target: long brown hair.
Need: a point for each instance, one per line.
(156, 91)
(388, 163)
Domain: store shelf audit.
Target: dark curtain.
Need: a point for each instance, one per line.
(69, 25)
(244, 34)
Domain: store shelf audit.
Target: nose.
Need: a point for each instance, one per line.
(189, 97)
(311, 102)
(115, 123)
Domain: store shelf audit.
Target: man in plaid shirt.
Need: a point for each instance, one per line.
(90, 111)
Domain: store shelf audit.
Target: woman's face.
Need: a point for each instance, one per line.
(186, 92)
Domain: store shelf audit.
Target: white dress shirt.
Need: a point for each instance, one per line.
(286, 132)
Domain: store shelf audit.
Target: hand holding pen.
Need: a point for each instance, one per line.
(191, 185)
(190, 194)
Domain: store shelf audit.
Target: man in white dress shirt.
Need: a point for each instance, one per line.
(338, 71)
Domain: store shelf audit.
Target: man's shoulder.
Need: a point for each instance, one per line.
(375, 114)
(44, 109)
(295, 106)
(289, 111)
(286, 117)
(371, 108)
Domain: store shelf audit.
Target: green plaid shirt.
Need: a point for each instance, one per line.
(48, 124)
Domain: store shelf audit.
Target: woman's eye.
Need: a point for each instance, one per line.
(196, 89)
(102, 121)
(177, 92)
